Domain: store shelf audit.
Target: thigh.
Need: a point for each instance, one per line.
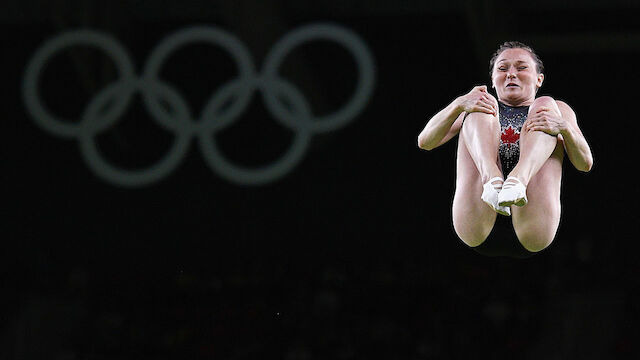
(536, 223)
(472, 218)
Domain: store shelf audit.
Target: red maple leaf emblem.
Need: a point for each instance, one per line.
(509, 136)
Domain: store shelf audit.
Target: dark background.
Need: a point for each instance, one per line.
(350, 255)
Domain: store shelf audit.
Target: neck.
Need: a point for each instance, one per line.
(517, 102)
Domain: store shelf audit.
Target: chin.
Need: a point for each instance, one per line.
(511, 96)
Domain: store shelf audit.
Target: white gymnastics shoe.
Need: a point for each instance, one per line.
(513, 193)
(490, 192)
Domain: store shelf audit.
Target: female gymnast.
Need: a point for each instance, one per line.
(518, 135)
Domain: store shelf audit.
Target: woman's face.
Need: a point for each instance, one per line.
(515, 77)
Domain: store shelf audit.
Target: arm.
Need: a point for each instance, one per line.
(447, 122)
(565, 126)
(441, 127)
(575, 144)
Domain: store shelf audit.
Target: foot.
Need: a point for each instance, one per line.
(490, 194)
(513, 193)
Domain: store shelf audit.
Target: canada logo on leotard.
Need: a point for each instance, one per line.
(510, 136)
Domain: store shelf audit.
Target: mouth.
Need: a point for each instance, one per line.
(509, 85)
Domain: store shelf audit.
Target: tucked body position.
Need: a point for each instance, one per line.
(509, 156)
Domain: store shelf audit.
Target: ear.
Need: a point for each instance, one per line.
(540, 80)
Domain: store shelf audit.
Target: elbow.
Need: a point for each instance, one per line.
(586, 167)
(423, 144)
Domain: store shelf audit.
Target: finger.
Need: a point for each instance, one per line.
(539, 128)
(492, 97)
(545, 130)
(533, 124)
(480, 107)
(538, 117)
(534, 127)
(487, 104)
(482, 88)
(494, 106)
(492, 101)
(486, 108)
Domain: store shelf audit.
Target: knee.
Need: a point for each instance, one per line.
(534, 241)
(478, 120)
(544, 102)
(472, 240)
(472, 235)
(483, 118)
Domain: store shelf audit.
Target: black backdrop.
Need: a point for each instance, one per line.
(351, 254)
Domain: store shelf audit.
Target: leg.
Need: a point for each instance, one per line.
(536, 223)
(535, 146)
(540, 169)
(481, 134)
(473, 219)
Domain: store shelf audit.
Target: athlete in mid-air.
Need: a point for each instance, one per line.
(509, 157)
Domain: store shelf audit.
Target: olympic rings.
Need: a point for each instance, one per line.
(109, 104)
